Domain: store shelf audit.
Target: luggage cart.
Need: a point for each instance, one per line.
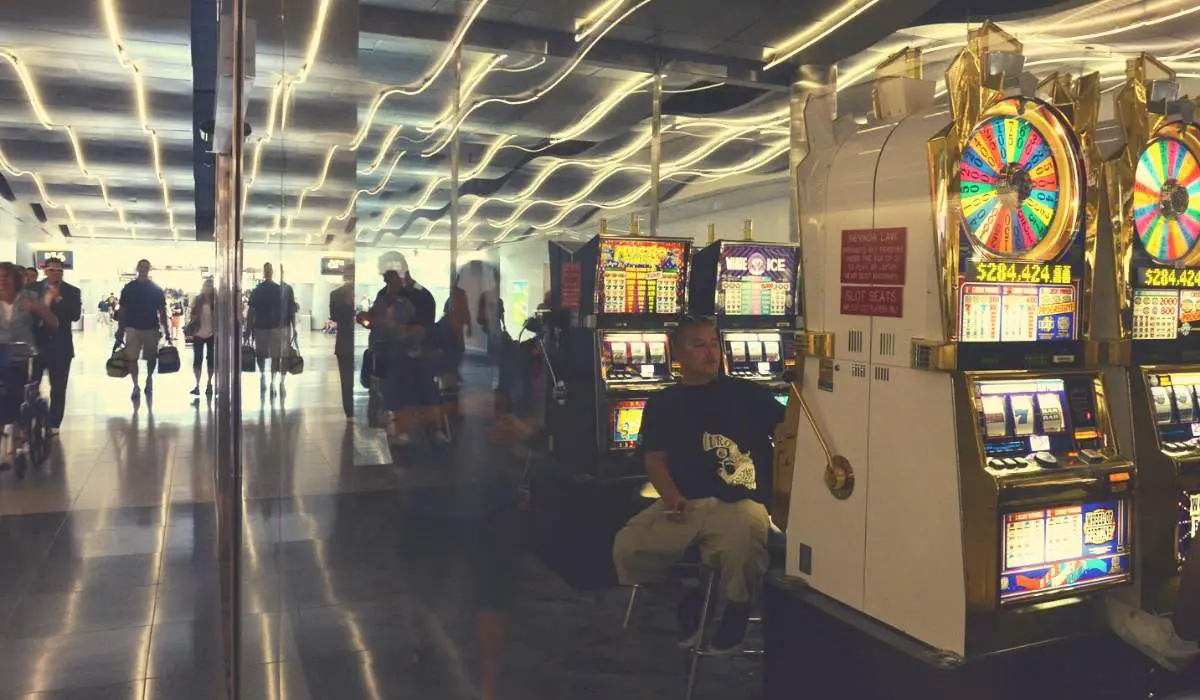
(31, 419)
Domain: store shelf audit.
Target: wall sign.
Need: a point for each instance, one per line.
(874, 255)
(860, 300)
(41, 256)
(334, 266)
(572, 280)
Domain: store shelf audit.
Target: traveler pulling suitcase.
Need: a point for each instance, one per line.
(32, 418)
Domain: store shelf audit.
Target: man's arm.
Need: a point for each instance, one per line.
(121, 311)
(652, 446)
(162, 314)
(70, 305)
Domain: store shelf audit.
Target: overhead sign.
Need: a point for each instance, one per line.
(66, 256)
(334, 266)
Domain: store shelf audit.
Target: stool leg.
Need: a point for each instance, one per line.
(633, 593)
(698, 650)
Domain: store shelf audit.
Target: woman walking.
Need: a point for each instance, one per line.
(202, 329)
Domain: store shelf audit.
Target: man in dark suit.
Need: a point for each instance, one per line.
(56, 348)
(341, 311)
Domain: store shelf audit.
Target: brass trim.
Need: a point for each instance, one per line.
(815, 344)
(785, 459)
(839, 474)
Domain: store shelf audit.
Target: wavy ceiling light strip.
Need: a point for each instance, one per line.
(706, 149)
(595, 19)
(840, 17)
(282, 93)
(33, 96)
(542, 90)
(372, 191)
(410, 89)
(476, 76)
(112, 24)
(715, 174)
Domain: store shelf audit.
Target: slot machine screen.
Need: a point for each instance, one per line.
(1050, 551)
(641, 276)
(756, 279)
(625, 423)
(1017, 302)
(1189, 523)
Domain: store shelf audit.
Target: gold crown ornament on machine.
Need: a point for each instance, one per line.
(956, 474)
(1149, 314)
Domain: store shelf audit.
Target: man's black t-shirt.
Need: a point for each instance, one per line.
(717, 437)
(141, 300)
(271, 304)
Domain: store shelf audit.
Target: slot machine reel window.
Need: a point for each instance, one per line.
(641, 276)
(1020, 418)
(1176, 406)
(1051, 551)
(753, 355)
(625, 423)
(756, 279)
(635, 357)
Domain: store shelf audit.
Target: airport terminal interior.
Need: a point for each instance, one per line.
(614, 349)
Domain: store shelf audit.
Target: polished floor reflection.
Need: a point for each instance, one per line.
(363, 573)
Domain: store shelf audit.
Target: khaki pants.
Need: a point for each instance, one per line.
(732, 538)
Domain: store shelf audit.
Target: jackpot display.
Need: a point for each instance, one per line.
(641, 276)
(756, 279)
(1065, 548)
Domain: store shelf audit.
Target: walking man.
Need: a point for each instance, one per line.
(271, 310)
(341, 311)
(56, 346)
(141, 323)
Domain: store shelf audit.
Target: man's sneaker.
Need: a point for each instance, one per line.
(731, 633)
(196, 391)
(688, 612)
(1152, 635)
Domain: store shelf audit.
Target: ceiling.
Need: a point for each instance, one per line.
(351, 116)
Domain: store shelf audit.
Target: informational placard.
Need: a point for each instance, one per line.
(756, 279)
(874, 256)
(858, 300)
(1065, 548)
(992, 313)
(1165, 314)
(66, 256)
(569, 284)
(641, 276)
(335, 265)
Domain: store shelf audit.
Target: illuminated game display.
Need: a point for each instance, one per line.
(1189, 523)
(625, 423)
(1020, 283)
(756, 279)
(641, 276)
(1066, 548)
(635, 357)
(1010, 186)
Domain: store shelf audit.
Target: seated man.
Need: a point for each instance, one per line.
(706, 443)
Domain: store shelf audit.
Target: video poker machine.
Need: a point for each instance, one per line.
(956, 474)
(750, 290)
(623, 296)
(1152, 242)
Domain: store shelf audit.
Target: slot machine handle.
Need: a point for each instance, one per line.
(839, 474)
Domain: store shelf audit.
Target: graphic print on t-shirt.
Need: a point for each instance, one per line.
(736, 467)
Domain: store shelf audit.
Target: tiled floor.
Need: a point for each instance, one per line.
(353, 585)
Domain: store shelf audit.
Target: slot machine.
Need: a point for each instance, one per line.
(750, 290)
(956, 473)
(624, 294)
(1153, 319)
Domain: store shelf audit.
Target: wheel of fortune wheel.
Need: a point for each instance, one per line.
(1166, 195)
(1019, 181)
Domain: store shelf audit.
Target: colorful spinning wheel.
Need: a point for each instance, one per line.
(1166, 199)
(1018, 178)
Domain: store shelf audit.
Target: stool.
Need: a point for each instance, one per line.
(708, 577)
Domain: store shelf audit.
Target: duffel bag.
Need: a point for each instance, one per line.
(168, 359)
(249, 359)
(117, 366)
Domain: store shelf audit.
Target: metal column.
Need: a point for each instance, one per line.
(655, 148)
(228, 413)
(456, 68)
